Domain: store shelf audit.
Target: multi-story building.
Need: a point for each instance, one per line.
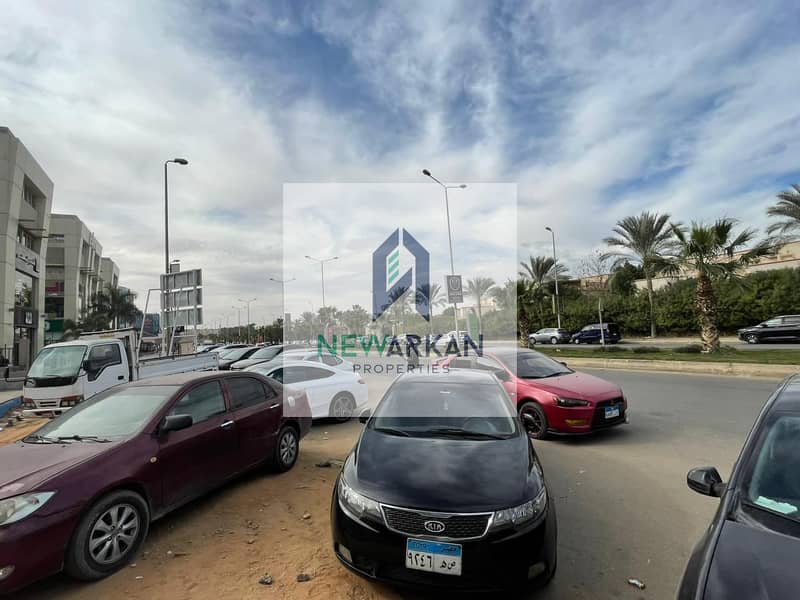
(26, 195)
(109, 273)
(74, 272)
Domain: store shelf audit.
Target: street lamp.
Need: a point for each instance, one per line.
(183, 162)
(238, 310)
(247, 302)
(462, 186)
(322, 262)
(555, 275)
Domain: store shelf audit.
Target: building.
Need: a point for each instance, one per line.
(109, 273)
(74, 272)
(26, 196)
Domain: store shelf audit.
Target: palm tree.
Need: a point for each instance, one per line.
(788, 208)
(709, 252)
(478, 288)
(541, 269)
(399, 306)
(115, 305)
(431, 295)
(646, 240)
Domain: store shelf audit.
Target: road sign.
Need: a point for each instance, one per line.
(182, 298)
(455, 293)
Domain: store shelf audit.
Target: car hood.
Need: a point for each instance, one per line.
(249, 362)
(751, 562)
(26, 466)
(575, 385)
(444, 474)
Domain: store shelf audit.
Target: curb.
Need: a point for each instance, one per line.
(703, 368)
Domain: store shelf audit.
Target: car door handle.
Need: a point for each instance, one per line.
(276, 405)
(121, 377)
(226, 425)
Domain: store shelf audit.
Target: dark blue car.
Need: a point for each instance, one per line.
(591, 334)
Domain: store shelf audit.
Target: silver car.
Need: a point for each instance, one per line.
(549, 335)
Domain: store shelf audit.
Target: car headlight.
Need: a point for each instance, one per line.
(522, 513)
(357, 505)
(19, 507)
(570, 402)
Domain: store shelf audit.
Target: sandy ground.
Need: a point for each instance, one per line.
(234, 536)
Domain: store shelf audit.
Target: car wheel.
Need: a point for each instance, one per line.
(287, 448)
(342, 407)
(538, 430)
(554, 340)
(108, 536)
(751, 338)
(576, 341)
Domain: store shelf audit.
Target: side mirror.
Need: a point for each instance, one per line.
(563, 363)
(175, 423)
(502, 375)
(88, 366)
(706, 481)
(364, 416)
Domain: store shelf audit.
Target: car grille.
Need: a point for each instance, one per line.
(456, 526)
(48, 403)
(599, 420)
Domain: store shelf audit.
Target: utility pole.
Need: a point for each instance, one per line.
(247, 303)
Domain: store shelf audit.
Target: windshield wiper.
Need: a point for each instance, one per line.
(457, 431)
(392, 431)
(41, 439)
(83, 438)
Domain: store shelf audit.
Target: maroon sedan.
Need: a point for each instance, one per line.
(556, 398)
(80, 492)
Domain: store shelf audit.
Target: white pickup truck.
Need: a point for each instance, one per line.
(66, 373)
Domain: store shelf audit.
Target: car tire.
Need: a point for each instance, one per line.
(125, 513)
(287, 449)
(751, 338)
(537, 412)
(553, 340)
(342, 407)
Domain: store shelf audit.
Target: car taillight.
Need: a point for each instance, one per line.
(27, 403)
(68, 401)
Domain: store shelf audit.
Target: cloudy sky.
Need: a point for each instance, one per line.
(594, 110)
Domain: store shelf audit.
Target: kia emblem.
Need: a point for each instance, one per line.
(433, 526)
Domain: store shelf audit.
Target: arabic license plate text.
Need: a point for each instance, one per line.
(435, 557)
(612, 412)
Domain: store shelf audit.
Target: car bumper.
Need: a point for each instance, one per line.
(500, 561)
(583, 420)
(34, 547)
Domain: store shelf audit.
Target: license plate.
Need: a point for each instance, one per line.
(434, 557)
(612, 412)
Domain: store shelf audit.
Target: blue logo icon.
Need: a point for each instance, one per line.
(388, 285)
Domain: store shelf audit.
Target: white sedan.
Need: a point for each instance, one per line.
(318, 357)
(331, 392)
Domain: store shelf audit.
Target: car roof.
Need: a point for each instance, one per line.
(788, 397)
(278, 363)
(179, 379)
(449, 376)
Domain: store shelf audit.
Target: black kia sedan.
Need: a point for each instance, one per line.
(752, 546)
(444, 490)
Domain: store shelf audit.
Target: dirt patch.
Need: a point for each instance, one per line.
(20, 429)
(221, 545)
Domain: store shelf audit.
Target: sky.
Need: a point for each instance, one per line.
(595, 111)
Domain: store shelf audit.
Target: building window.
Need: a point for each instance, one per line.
(28, 195)
(23, 290)
(24, 237)
(54, 307)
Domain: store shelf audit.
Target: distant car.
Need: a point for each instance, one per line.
(784, 328)
(229, 357)
(444, 490)
(591, 334)
(202, 348)
(550, 335)
(750, 550)
(331, 392)
(80, 492)
(261, 355)
(558, 399)
(225, 347)
(337, 362)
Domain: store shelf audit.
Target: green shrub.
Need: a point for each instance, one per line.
(646, 349)
(690, 349)
(611, 349)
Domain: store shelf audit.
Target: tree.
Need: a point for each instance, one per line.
(710, 252)
(541, 269)
(623, 278)
(116, 305)
(646, 240)
(787, 208)
(478, 288)
(431, 295)
(355, 319)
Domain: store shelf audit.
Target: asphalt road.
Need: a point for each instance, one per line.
(666, 344)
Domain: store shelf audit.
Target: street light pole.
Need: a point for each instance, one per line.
(238, 310)
(247, 302)
(427, 173)
(322, 262)
(555, 276)
(177, 161)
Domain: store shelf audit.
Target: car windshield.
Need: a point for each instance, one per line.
(267, 353)
(527, 364)
(445, 409)
(115, 414)
(774, 484)
(235, 354)
(57, 361)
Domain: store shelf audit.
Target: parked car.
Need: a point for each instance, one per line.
(227, 358)
(337, 362)
(80, 492)
(558, 399)
(784, 328)
(220, 350)
(594, 334)
(202, 348)
(443, 489)
(331, 392)
(550, 335)
(750, 549)
(262, 355)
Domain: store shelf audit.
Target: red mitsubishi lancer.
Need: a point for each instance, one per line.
(557, 399)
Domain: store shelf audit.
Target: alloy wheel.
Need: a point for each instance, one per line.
(538, 424)
(288, 447)
(114, 534)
